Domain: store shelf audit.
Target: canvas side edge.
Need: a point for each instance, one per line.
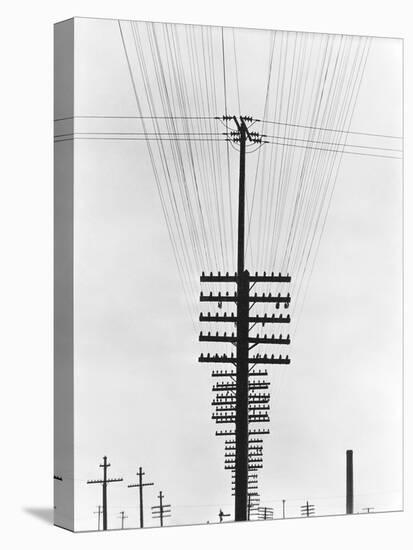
(63, 277)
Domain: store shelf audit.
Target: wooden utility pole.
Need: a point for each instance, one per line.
(241, 418)
(99, 513)
(349, 483)
(265, 513)
(283, 508)
(308, 509)
(221, 516)
(122, 519)
(162, 510)
(240, 401)
(141, 485)
(104, 483)
(253, 501)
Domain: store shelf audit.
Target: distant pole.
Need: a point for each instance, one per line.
(105, 493)
(265, 513)
(253, 502)
(283, 508)
(161, 507)
(307, 509)
(162, 510)
(221, 516)
(122, 519)
(140, 485)
(368, 509)
(99, 513)
(349, 483)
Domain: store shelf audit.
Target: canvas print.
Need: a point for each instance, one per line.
(228, 274)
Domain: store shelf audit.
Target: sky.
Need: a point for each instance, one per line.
(141, 397)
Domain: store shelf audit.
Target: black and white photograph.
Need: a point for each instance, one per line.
(234, 334)
(205, 290)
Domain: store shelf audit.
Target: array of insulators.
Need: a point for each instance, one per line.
(264, 277)
(252, 139)
(232, 318)
(231, 117)
(257, 358)
(224, 388)
(254, 299)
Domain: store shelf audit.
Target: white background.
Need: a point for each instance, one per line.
(26, 275)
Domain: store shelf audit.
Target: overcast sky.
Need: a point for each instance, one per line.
(142, 399)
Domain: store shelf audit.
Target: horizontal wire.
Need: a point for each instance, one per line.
(219, 120)
(224, 141)
(139, 139)
(138, 117)
(333, 150)
(329, 129)
(334, 144)
(142, 134)
(221, 134)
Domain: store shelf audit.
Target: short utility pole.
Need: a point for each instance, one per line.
(104, 482)
(140, 485)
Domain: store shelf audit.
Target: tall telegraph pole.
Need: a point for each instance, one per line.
(241, 419)
(240, 401)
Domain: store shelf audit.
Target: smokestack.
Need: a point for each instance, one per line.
(349, 484)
